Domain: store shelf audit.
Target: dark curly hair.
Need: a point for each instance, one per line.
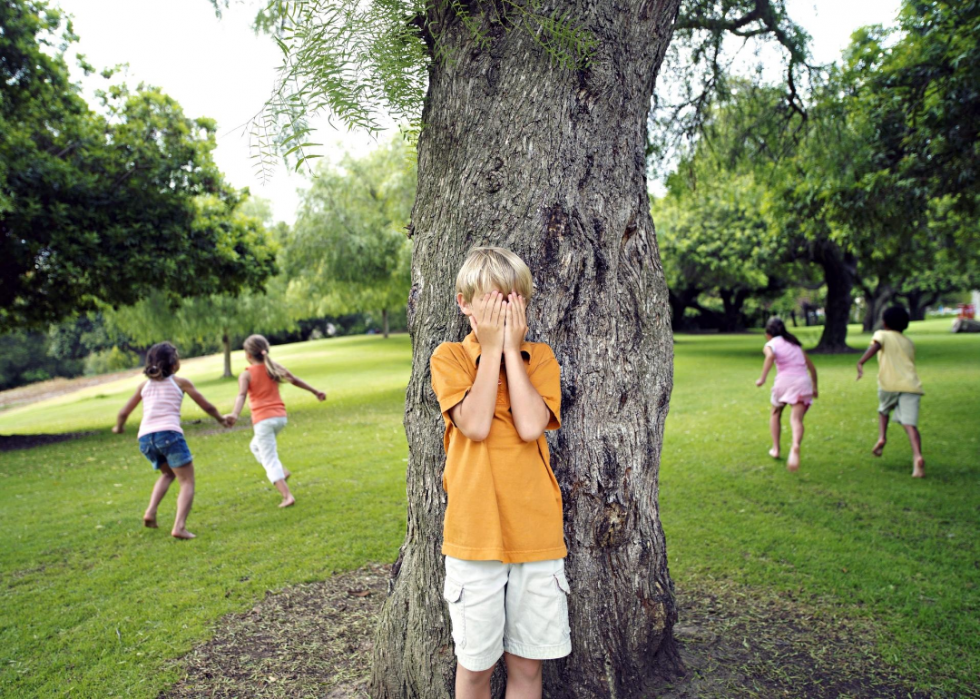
(896, 318)
(161, 361)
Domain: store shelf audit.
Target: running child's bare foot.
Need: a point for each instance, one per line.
(919, 468)
(879, 448)
(793, 462)
(149, 522)
(774, 453)
(288, 502)
(181, 534)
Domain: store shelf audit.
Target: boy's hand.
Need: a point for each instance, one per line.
(515, 322)
(860, 371)
(117, 429)
(487, 321)
(320, 395)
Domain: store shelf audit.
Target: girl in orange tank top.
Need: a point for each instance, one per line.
(260, 384)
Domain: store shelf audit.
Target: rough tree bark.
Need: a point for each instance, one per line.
(226, 344)
(839, 268)
(549, 162)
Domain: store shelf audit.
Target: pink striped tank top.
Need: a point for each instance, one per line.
(161, 406)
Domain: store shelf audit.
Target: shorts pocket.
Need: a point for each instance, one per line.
(453, 594)
(564, 590)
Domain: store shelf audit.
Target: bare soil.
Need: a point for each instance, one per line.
(315, 640)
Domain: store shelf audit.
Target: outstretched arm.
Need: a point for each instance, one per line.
(299, 383)
(813, 373)
(196, 396)
(766, 365)
(130, 406)
(243, 381)
(872, 350)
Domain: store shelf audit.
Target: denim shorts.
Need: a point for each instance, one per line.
(168, 447)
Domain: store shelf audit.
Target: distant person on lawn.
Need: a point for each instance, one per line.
(161, 438)
(795, 386)
(260, 383)
(899, 388)
(503, 534)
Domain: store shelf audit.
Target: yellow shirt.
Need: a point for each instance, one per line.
(896, 363)
(504, 503)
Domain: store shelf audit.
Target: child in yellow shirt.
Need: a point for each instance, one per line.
(899, 388)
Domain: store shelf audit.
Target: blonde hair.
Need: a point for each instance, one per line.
(489, 268)
(257, 347)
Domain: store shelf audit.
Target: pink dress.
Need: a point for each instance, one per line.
(792, 384)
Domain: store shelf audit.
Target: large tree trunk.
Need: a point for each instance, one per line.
(732, 301)
(550, 163)
(839, 268)
(919, 301)
(875, 302)
(226, 344)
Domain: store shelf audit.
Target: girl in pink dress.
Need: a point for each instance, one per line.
(795, 386)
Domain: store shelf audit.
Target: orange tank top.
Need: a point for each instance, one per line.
(263, 395)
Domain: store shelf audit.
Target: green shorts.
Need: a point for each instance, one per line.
(904, 407)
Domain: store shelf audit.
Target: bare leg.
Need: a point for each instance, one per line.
(796, 422)
(775, 428)
(523, 677)
(918, 463)
(472, 685)
(882, 434)
(185, 475)
(159, 490)
(287, 497)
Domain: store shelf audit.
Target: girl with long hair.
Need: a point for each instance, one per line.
(260, 384)
(795, 386)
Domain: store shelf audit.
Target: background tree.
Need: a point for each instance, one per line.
(223, 317)
(349, 245)
(101, 208)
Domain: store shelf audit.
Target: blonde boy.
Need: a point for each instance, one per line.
(502, 536)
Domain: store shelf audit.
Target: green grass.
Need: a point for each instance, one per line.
(847, 527)
(91, 604)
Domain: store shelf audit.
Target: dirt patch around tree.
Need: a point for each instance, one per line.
(315, 640)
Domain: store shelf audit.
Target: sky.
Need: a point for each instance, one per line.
(220, 69)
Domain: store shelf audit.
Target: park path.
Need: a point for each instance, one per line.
(42, 390)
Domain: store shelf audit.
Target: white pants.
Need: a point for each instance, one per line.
(520, 608)
(264, 447)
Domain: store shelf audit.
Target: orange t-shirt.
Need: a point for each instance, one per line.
(504, 502)
(263, 395)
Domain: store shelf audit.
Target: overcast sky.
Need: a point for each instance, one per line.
(220, 69)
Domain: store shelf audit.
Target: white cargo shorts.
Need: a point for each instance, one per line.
(520, 608)
(264, 447)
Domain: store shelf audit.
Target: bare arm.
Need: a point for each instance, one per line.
(299, 383)
(531, 414)
(766, 365)
(127, 409)
(810, 367)
(243, 381)
(196, 396)
(474, 414)
(872, 350)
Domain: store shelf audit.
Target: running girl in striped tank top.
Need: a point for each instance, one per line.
(161, 438)
(260, 383)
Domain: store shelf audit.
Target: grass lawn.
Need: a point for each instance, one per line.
(91, 604)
